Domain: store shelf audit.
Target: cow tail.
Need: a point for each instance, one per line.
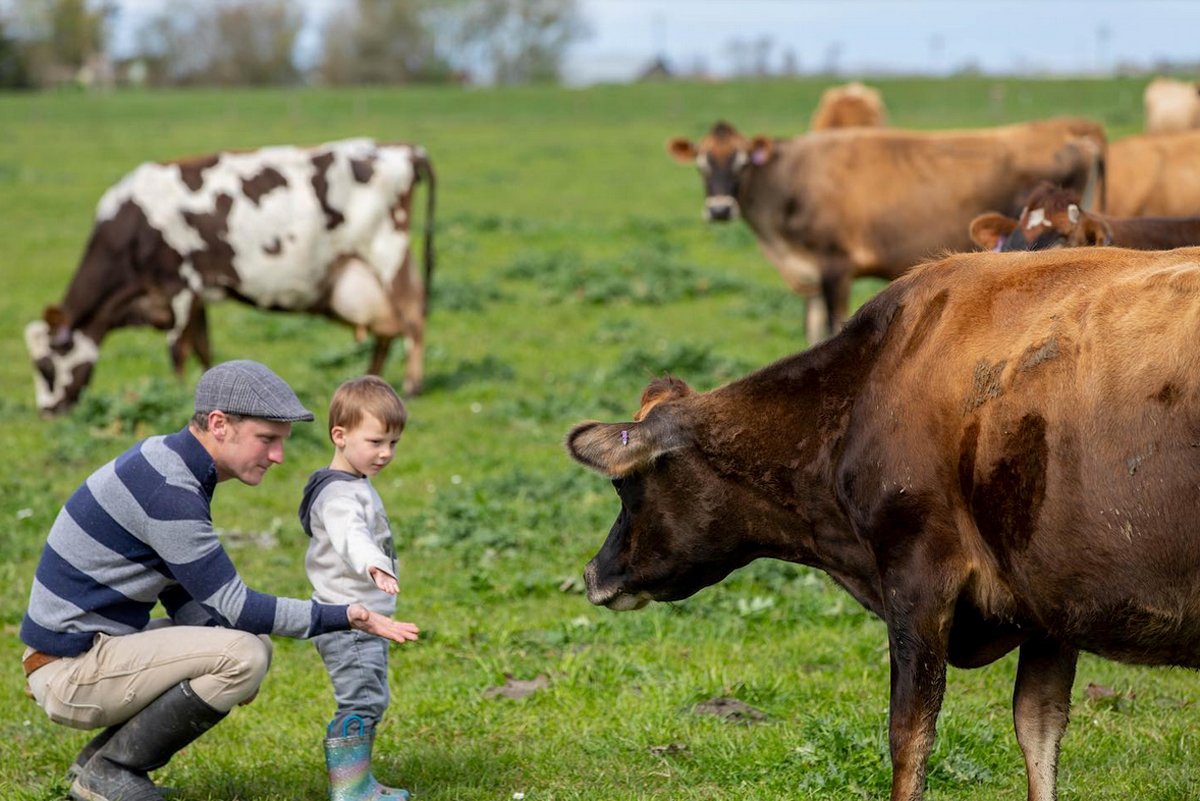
(424, 171)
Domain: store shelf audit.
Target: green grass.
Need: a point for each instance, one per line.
(573, 266)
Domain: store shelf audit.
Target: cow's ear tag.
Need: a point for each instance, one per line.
(758, 157)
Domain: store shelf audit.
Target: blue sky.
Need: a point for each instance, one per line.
(857, 36)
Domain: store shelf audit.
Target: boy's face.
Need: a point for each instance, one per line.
(365, 449)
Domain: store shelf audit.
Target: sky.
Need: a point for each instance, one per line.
(854, 37)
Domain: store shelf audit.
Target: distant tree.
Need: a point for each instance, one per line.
(14, 71)
(56, 39)
(227, 42)
(520, 41)
(381, 41)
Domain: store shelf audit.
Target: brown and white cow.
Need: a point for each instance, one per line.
(1171, 105)
(322, 229)
(1154, 175)
(832, 206)
(997, 452)
(849, 105)
(1054, 218)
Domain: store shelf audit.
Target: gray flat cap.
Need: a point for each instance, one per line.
(250, 389)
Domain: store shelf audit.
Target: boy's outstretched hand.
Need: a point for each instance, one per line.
(363, 619)
(384, 581)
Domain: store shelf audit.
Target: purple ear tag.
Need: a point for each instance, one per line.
(758, 157)
(624, 437)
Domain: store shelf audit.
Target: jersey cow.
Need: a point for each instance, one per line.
(322, 229)
(1154, 175)
(835, 205)
(849, 105)
(1053, 218)
(1171, 105)
(998, 451)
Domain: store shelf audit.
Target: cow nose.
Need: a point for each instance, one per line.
(720, 208)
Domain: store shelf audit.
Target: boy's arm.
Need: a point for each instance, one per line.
(344, 518)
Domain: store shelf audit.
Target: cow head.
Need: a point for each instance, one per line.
(63, 358)
(723, 158)
(682, 525)
(1052, 218)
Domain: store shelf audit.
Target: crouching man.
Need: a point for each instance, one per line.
(138, 532)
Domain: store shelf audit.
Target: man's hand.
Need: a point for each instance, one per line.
(384, 581)
(363, 619)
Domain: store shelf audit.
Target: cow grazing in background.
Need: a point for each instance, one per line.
(1171, 106)
(850, 105)
(832, 206)
(997, 452)
(1053, 218)
(1154, 175)
(322, 229)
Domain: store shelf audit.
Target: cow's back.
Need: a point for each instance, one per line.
(1057, 396)
(1155, 175)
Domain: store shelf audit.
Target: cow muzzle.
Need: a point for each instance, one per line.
(610, 595)
(720, 208)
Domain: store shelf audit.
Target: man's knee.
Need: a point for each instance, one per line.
(248, 658)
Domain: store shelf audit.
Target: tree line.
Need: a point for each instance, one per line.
(47, 43)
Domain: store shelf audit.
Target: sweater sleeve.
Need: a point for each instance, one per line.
(343, 514)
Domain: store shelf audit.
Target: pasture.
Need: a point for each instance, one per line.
(572, 267)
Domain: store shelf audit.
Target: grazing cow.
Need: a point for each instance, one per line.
(850, 105)
(1171, 106)
(996, 452)
(1053, 218)
(322, 229)
(832, 206)
(1154, 175)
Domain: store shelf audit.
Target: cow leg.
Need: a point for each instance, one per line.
(1041, 707)
(414, 359)
(197, 331)
(918, 685)
(816, 319)
(836, 281)
(382, 345)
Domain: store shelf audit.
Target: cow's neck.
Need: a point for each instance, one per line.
(779, 433)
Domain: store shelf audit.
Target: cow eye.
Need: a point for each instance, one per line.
(617, 484)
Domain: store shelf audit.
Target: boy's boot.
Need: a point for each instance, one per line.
(348, 759)
(147, 741)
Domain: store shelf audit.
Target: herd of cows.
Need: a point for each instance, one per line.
(999, 451)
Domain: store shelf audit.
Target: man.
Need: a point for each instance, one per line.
(138, 532)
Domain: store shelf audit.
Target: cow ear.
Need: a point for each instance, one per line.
(761, 149)
(1092, 231)
(618, 449)
(682, 150)
(990, 230)
(661, 390)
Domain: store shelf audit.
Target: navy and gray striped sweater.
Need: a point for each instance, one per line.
(137, 532)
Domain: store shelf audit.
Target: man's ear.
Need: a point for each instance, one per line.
(991, 229)
(761, 149)
(682, 150)
(219, 425)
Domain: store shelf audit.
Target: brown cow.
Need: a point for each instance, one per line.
(850, 105)
(1171, 105)
(832, 206)
(997, 452)
(1053, 218)
(1154, 175)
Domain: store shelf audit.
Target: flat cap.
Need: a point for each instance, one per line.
(250, 389)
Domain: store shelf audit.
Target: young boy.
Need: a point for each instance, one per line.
(351, 556)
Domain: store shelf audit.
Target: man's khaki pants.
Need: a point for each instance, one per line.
(119, 676)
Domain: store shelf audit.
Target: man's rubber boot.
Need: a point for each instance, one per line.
(89, 750)
(348, 760)
(147, 741)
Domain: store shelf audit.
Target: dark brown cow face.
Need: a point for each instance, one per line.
(1052, 218)
(678, 530)
(63, 359)
(723, 158)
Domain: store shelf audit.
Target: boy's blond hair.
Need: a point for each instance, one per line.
(367, 395)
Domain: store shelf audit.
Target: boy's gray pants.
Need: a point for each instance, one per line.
(357, 664)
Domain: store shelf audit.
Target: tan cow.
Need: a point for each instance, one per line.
(831, 206)
(997, 452)
(1154, 175)
(850, 105)
(1053, 218)
(1171, 106)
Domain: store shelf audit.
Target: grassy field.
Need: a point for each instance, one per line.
(573, 266)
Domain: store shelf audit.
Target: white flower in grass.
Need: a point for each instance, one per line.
(24, 514)
(456, 479)
(518, 796)
(476, 408)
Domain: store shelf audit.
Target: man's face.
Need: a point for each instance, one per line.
(247, 448)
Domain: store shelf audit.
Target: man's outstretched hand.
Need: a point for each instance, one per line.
(363, 619)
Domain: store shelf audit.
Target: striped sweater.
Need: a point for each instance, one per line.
(138, 532)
